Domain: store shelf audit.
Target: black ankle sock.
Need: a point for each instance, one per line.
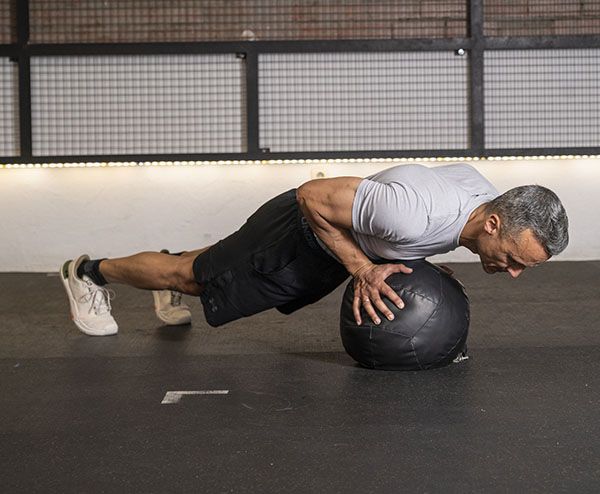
(92, 270)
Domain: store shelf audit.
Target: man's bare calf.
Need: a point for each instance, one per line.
(154, 271)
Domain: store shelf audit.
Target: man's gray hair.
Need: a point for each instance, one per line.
(537, 208)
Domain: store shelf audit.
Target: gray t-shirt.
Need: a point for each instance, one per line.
(412, 211)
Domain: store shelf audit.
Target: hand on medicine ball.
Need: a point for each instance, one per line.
(370, 286)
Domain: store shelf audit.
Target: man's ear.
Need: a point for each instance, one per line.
(492, 224)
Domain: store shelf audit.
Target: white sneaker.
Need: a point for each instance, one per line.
(169, 308)
(90, 303)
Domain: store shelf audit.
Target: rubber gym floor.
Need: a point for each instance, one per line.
(282, 408)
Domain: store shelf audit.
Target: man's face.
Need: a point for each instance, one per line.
(504, 254)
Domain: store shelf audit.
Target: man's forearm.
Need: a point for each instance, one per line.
(338, 240)
(327, 206)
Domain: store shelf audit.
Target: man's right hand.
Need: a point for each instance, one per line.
(327, 206)
(370, 286)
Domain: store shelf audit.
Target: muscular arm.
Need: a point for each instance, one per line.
(327, 206)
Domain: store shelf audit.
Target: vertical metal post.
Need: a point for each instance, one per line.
(252, 130)
(476, 88)
(24, 78)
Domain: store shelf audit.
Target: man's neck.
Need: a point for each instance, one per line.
(470, 232)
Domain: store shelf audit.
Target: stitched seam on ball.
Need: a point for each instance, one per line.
(415, 354)
(437, 307)
(456, 344)
(408, 290)
(437, 304)
(422, 326)
(449, 353)
(416, 293)
(371, 358)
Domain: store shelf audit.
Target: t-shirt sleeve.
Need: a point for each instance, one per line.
(391, 211)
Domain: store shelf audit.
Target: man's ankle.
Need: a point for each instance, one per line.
(91, 269)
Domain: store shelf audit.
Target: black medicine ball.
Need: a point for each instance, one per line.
(429, 332)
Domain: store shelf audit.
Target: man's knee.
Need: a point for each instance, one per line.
(184, 276)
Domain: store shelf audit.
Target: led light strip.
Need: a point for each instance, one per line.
(112, 164)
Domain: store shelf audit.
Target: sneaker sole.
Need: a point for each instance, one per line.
(73, 305)
(170, 322)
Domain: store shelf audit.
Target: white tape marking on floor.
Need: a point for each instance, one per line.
(172, 397)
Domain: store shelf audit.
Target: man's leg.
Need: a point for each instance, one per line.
(163, 273)
(154, 271)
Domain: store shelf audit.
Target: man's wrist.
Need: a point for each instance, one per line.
(361, 269)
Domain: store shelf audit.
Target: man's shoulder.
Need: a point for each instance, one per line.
(467, 177)
(433, 181)
(405, 173)
(458, 169)
(418, 169)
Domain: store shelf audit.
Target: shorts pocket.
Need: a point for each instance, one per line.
(274, 258)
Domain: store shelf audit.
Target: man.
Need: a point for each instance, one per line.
(301, 245)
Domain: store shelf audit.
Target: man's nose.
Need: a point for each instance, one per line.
(515, 272)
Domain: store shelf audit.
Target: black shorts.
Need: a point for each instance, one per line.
(273, 260)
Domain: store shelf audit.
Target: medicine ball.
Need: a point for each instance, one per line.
(429, 332)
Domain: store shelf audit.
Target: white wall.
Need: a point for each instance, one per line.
(53, 214)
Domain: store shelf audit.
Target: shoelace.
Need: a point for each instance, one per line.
(100, 299)
(175, 298)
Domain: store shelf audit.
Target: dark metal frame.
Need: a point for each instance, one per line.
(476, 44)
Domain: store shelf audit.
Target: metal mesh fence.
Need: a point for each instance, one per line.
(307, 102)
(137, 105)
(542, 98)
(9, 108)
(8, 21)
(363, 101)
(62, 21)
(541, 17)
